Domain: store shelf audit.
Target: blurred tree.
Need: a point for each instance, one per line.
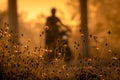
(78, 9)
(84, 26)
(13, 21)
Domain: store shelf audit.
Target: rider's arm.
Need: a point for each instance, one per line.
(64, 25)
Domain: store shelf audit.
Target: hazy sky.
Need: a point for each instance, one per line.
(3, 5)
(36, 7)
(40, 6)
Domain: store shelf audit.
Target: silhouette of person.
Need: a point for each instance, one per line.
(53, 24)
(53, 33)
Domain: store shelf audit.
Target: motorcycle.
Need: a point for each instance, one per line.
(59, 47)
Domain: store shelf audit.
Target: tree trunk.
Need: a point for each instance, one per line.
(13, 22)
(84, 26)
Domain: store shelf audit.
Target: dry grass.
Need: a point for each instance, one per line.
(24, 65)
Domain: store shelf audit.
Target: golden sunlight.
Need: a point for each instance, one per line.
(59, 40)
(34, 8)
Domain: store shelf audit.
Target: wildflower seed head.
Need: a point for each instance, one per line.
(109, 32)
(90, 35)
(65, 45)
(56, 59)
(46, 27)
(82, 35)
(7, 28)
(64, 66)
(46, 50)
(40, 35)
(22, 35)
(29, 40)
(106, 44)
(109, 51)
(97, 48)
(59, 53)
(42, 32)
(78, 45)
(114, 58)
(67, 75)
(75, 42)
(50, 51)
(9, 35)
(80, 30)
(90, 59)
